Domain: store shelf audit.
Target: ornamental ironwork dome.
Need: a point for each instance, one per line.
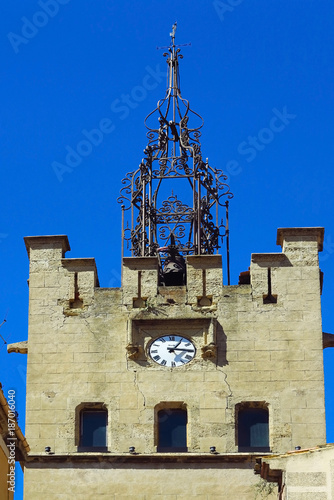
(173, 198)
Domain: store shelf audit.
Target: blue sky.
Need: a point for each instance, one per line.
(260, 73)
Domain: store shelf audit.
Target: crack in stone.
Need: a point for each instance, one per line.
(230, 394)
(135, 381)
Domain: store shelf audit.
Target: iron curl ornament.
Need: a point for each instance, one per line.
(173, 163)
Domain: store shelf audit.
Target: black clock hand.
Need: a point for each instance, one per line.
(172, 349)
(178, 344)
(181, 349)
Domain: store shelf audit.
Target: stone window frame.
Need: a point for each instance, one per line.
(90, 406)
(244, 405)
(171, 405)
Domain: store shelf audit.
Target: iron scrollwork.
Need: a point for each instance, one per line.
(173, 157)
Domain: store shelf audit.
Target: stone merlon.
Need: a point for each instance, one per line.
(294, 236)
(37, 242)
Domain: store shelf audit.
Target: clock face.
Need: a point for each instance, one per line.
(172, 351)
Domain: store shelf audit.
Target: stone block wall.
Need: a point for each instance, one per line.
(306, 474)
(89, 345)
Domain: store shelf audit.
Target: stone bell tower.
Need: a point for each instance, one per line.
(171, 386)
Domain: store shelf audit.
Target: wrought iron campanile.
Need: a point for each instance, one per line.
(174, 196)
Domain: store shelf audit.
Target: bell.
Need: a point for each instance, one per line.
(174, 269)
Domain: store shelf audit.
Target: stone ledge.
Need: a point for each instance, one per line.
(20, 347)
(141, 263)
(270, 257)
(205, 261)
(327, 339)
(144, 458)
(79, 262)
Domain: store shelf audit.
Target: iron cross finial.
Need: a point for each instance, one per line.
(172, 43)
(174, 30)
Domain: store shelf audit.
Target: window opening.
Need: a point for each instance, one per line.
(172, 430)
(253, 429)
(93, 429)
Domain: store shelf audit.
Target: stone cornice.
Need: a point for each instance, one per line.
(301, 233)
(46, 241)
(139, 458)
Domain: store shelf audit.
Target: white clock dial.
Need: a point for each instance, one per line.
(172, 351)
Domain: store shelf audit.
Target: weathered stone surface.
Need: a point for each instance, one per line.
(305, 474)
(90, 345)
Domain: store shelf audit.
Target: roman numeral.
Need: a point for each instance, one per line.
(163, 362)
(173, 364)
(156, 358)
(171, 338)
(188, 344)
(155, 350)
(162, 339)
(182, 360)
(188, 357)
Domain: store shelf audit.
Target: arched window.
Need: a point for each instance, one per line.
(253, 427)
(93, 430)
(172, 430)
